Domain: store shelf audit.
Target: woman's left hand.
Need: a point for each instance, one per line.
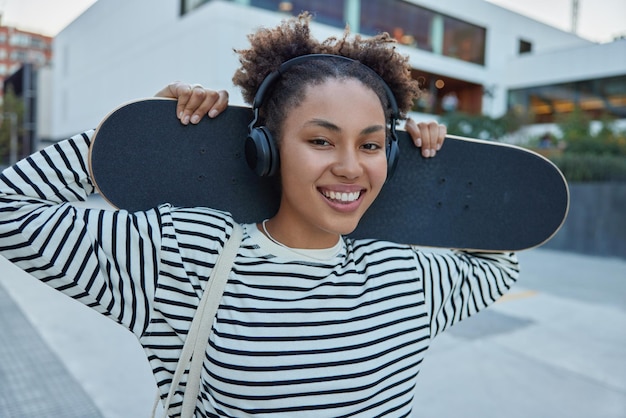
(195, 101)
(427, 135)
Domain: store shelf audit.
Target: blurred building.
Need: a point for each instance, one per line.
(18, 47)
(22, 54)
(473, 55)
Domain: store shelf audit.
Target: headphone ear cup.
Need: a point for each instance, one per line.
(393, 155)
(261, 152)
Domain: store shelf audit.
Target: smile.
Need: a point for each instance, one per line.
(345, 197)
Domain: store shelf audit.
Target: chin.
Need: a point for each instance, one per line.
(346, 228)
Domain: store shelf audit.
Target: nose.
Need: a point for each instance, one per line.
(348, 164)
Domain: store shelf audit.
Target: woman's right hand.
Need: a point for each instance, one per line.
(427, 135)
(195, 101)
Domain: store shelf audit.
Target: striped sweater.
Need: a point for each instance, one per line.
(336, 332)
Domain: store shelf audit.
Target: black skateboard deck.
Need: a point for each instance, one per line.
(473, 195)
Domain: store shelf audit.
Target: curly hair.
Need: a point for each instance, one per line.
(269, 48)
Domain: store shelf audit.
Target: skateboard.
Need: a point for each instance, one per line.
(474, 194)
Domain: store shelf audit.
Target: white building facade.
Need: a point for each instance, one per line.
(492, 59)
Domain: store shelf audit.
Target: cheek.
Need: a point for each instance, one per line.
(378, 172)
(300, 159)
(296, 168)
(291, 162)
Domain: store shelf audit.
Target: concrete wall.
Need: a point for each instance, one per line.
(580, 62)
(596, 223)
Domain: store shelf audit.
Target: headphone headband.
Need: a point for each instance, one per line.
(269, 81)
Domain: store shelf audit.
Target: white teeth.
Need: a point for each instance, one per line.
(343, 197)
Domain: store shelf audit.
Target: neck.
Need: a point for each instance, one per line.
(294, 239)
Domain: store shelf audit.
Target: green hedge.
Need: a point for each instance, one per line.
(591, 168)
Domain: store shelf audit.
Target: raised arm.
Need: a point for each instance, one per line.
(108, 260)
(460, 284)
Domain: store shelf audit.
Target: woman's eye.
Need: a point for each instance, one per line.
(319, 142)
(371, 146)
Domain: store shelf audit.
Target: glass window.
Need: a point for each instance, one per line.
(326, 12)
(39, 43)
(19, 39)
(273, 5)
(525, 46)
(463, 40)
(407, 23)
(19, 55)
(596, 97)
(188, 5)
(422, 28)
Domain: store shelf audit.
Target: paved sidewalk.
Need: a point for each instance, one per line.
(33, 380)
(554, 347)
(104, 358)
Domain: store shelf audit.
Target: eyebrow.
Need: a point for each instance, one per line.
(332, 127)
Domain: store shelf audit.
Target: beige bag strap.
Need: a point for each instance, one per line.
(198, 336)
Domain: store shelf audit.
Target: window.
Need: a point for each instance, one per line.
(525, 47)
(407, 23)
(188, 5)
(326, 12)
(424, 29)
(606, 96)
(463, 40)
(19, 55)
(39, 43)
(20, 39)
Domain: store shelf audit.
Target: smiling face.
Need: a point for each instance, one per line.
(333, 163)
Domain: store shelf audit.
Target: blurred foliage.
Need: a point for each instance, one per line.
(578, 138)
(590, 156)
(582, 154)
(591, 167)
(482, 126)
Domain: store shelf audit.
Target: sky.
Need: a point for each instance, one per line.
(598, 20)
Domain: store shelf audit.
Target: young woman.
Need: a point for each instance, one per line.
(310, 323)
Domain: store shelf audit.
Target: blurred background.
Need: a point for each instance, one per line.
(549, 75)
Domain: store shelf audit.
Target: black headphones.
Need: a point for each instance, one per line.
(261, 150)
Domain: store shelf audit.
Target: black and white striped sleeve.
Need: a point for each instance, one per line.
(459, 284)
(107, 260)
